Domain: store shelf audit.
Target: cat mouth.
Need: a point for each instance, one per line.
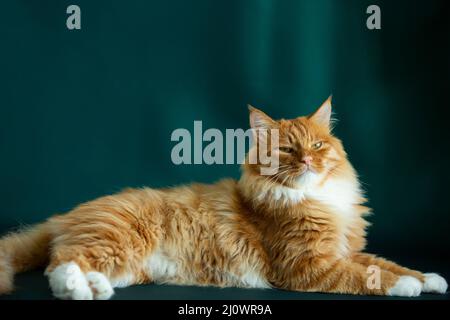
(305, 169)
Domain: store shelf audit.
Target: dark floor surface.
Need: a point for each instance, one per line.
(33, 285)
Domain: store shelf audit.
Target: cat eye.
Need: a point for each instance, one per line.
(286, 149)
(317, 145)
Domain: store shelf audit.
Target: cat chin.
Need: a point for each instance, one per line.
(306, 179)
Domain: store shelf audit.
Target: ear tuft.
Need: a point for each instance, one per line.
(322, 115)
(260, 120)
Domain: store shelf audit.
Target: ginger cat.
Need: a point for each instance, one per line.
(301, 229)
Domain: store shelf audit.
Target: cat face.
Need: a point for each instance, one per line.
(306, 149)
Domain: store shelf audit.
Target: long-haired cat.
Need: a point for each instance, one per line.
(300, 229)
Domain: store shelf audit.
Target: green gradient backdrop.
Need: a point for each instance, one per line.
(85, 113)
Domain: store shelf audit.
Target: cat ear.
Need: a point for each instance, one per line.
(260, 120)
(322, 116)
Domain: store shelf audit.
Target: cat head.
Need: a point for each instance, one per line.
(307, 150)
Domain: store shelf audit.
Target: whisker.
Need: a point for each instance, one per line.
(272, 178)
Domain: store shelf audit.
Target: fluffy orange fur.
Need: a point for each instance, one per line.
(301, 229)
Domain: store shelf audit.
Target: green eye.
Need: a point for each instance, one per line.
(317, 145)
(286, 149)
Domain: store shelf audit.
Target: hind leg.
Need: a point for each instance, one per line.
(76, 277)
(102, 244)
(68, 281)
(74, 273)
(91, 272)
(86, 270)
(100, 285)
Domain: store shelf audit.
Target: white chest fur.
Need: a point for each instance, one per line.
(339, 194)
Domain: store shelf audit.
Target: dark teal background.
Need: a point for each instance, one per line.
(89, 112)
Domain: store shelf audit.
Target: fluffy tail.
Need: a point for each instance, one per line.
(22, 251)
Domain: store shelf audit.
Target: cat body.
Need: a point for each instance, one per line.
(302, 229)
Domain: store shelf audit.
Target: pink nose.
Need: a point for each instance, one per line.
(307, 160)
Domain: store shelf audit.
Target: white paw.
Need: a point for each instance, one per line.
(100, 285)
(406, 286)
(434, 283)
(67, 281)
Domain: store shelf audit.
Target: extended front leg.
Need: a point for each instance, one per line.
(432, 282)
(347, 277)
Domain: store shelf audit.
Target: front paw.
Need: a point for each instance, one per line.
(434, 283)
(406, 286)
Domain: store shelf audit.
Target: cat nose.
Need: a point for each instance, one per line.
(307, 160)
